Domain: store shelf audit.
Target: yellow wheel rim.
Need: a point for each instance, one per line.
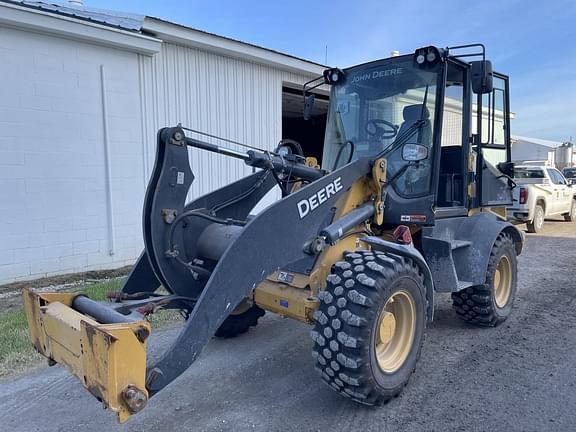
(503, 281)
(395, 331)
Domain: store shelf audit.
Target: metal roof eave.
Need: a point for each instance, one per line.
(16, 16)
(187, 36)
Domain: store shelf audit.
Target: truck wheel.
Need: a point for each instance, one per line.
(370, 326)
(490, 304)
(536, 224)
(246, 315)
(571, 216)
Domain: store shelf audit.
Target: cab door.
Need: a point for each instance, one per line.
(494, 145)
(455, 178)
(562, 198)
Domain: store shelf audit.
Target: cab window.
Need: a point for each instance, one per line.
(556, 177)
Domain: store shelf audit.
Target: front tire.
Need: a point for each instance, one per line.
(240, 320)
(370, 326)
(571, 216)
(490, 304)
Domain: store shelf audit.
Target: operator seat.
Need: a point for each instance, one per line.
(411, 114)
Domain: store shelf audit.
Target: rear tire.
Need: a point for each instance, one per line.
(240, 323)
(536, 224)
(370, 326)
(571, 216)
(490, 304)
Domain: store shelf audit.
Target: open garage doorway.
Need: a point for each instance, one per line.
(309, 133)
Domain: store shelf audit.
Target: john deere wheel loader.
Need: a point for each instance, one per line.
(409, 200)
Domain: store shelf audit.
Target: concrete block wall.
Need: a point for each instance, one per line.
(53, 207)
(53, 194)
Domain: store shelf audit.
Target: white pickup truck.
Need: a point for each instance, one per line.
(541, 192)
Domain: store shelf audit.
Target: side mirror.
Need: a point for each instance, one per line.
(482, 76)
(414, 152)
(506, 168)
(308, 105)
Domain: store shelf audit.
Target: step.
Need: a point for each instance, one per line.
(462, 284)
(457, 244)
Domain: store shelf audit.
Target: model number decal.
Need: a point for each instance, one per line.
(307, 205)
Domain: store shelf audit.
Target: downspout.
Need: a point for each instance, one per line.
(107, 166)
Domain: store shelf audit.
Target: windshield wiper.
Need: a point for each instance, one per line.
(416, 126)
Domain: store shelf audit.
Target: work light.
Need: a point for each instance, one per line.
(333, 76)
(427, 56)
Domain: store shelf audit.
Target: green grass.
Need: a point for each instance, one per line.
(98, 291)
(16, 351)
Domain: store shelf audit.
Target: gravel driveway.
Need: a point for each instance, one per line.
(520, 376)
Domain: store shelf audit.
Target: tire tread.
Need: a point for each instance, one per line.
(358, 281)
(475, 304)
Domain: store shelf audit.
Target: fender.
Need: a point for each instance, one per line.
(412, 253)
(477, 234)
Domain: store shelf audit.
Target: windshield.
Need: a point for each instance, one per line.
(570, 173)
(377, 108)
(528, 173)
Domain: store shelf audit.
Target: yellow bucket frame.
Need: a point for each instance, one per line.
(108, 359)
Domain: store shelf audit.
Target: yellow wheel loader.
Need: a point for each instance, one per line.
(409, 200)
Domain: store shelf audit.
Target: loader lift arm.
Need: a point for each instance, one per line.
(236, 272)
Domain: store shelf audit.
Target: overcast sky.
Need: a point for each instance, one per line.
(534, 42)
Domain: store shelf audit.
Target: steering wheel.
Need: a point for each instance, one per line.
(375, 128)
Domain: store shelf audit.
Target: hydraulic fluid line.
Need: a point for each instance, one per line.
(280, 184)
(172, 248)
(240, 197)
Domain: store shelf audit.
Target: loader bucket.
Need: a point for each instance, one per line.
(108, 359)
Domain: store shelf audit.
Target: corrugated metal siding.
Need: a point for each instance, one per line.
(223, 96)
